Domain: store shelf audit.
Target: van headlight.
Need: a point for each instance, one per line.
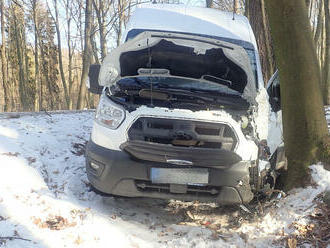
(109, 114)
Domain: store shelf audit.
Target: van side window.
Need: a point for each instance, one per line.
(273, 90)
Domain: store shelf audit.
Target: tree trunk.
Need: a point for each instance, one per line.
(20, 57)
(37, 99)
(247, 9)
(103, 42)
(68, 13)
(87, 55)
(236, 6)
(4, 60)
(47, 80)
(99, 10)
(59, 44)
(304, 123)
(121, 14)
(94, 59)
(326, 68)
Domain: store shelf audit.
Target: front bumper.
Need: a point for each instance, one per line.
(119, 174)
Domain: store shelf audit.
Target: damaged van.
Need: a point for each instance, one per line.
(183, 112)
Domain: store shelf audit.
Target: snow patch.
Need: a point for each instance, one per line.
(42, 177)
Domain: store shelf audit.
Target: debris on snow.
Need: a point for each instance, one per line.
(53, 223)
(79, 148)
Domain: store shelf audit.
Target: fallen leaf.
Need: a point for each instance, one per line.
(292, 243)
(53, 223)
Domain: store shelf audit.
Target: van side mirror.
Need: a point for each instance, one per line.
(273, 90)
(92, 82)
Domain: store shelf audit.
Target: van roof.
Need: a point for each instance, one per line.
(194, 20)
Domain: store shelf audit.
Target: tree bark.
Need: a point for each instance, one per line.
(37, 99)
(4, 60)
(44, 63)
(121, 15)
(69, 14)
(326, 68)
(120, 18)
(304, 124)
(71, 54)
(87, 55)
(236, 6)
(100, 15)
(59, 44)
(19, 44)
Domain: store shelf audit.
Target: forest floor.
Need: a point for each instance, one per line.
(46, 201)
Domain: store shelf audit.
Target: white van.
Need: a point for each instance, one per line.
(183, 112)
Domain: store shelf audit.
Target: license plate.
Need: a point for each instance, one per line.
(179, 176)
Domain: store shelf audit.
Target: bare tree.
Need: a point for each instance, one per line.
(4, 59)
(102, 11)
(60, 58)
(120, 11)
(38, 99)
(87, 54)
(326, 68)
(18, 36)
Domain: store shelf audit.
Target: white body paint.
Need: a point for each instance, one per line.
(112, 139)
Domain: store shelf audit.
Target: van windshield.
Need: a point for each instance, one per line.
(248, 47)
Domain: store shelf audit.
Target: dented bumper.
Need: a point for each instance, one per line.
(115, 172)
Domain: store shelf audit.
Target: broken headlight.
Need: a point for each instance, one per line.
(109, 114)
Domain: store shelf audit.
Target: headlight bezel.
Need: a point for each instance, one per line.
(109, 114)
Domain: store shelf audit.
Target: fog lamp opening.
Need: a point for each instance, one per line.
(94, 166)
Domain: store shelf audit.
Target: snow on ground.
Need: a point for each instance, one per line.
(45, 199)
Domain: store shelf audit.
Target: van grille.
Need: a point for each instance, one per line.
(206, 190)
(164, 141)
(183, 133)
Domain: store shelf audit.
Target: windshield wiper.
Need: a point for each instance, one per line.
(215, 93)
(182, 92)
(135, 83)
(235, 101)
(217, 80)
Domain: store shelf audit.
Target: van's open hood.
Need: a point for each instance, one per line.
(183, 55)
